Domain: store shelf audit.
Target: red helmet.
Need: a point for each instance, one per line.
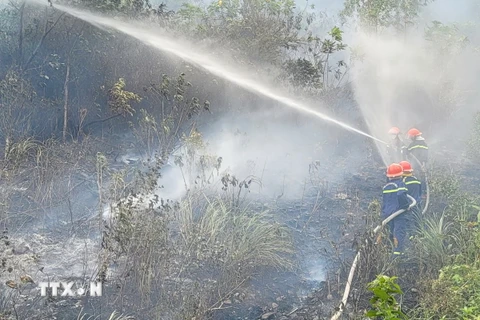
(407, 167)
(414, 133)
(394, 130)
(394, 170)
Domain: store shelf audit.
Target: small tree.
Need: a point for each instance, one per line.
(313, 70)
(119, 99)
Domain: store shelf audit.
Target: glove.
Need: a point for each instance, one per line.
(379, 239)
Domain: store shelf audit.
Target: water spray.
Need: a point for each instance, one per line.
(210, 64)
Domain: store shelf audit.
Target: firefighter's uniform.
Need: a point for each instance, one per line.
(414, 187)
(394, 199)
(419, 149)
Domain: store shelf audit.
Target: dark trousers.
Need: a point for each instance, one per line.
(414, 219)
(398, 231)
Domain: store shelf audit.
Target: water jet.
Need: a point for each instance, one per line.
(210, 64)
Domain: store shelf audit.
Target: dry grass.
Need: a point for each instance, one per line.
(246, 237)
(113, 316)
(184, 259)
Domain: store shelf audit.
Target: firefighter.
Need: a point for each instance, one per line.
(418, 148)
(395, 149)
(414, 189)
(394, 199)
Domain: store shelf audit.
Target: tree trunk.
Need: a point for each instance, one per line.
(325, 73)
(65, 103)
(47, 30)
(20, 35)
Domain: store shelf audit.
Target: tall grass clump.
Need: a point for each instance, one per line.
(433, 242)
(242, 237)
(183, 259)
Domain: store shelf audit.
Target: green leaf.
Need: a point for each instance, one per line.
(372, 313)
(380, 293)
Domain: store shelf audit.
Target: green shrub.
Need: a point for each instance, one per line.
(383, 303)
(433, 243)
(455, 294)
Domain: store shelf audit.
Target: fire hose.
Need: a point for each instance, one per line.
(427, 189)
(346, 293)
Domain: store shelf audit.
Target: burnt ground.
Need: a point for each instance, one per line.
(325, 225)
(325, 222)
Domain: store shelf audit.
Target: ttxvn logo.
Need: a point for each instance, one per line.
(70, 289)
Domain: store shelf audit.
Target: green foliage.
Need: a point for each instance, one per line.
(444, 183)
(258, 28)
(455, 294)
(189, 18)
(446, 42)
(303, 73)
(119, 99)
(447, 39)
(124, 6)
(173, 107)
(329, 46)
(448, 243)
(444, 237)
(473, 147)
(433, 244)
(375, 14)
(313, 72)
(383, 303)
(445, 188)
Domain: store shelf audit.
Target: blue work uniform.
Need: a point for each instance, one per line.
(414, 189)
(419, 149)
(394, 199)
